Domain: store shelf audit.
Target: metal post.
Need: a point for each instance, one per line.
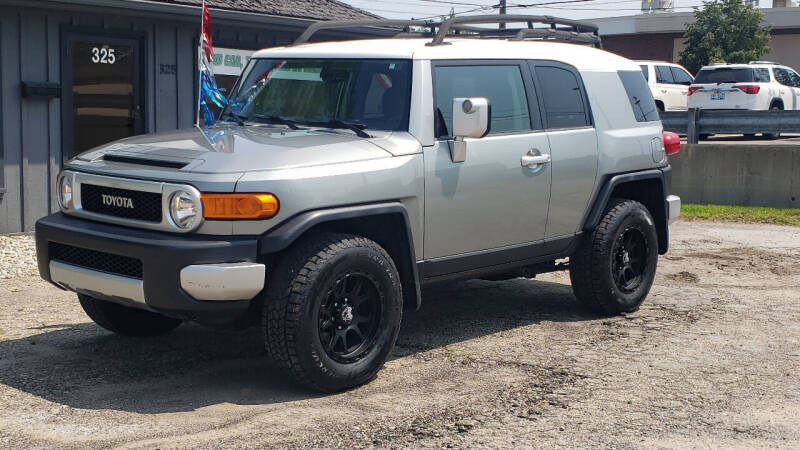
(502, 13)
(692, 127)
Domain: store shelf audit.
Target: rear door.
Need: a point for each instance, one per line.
(573, 144)
(489, 202)
(788, 91)
(681, 87)
(668, 91)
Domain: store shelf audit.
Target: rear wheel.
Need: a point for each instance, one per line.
(333, 311)
(615, 265)
(125, 320)
(773, 136)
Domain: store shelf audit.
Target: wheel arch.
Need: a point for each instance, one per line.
(649, 187)
(385, 223)
(776, 102)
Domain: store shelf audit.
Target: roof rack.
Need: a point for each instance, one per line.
(556, 29)
(404, 25)
(772, 63)
(559, 29)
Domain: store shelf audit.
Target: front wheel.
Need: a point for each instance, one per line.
(333, 310)
(615, 265)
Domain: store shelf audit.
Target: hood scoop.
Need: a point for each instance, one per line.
(145, 161)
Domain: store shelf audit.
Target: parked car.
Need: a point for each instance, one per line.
(759, 85)
(345, 175)
(668, 82)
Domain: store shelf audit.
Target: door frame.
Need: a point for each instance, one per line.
(70, 34)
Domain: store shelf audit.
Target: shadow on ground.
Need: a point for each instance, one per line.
(85, 367)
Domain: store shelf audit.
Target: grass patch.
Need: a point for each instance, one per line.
(743, 214)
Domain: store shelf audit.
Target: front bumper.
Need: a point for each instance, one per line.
(209, 279)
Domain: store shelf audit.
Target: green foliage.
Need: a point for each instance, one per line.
(725, 31)
(744, 214)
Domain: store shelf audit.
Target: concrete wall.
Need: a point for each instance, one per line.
(743, 175)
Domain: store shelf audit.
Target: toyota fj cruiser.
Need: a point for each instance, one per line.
(343, 176)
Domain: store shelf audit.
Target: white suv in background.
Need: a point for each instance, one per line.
(668, 82)
(759, 85)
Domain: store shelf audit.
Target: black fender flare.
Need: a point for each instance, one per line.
(663, 175)
(287, 232)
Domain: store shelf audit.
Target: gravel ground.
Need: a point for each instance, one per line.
(710, 360)
(17, 256)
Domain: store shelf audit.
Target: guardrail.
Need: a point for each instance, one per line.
(696, 122)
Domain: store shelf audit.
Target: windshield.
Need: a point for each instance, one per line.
(724, 75)
(365, 93)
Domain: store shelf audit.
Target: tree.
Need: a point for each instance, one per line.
(725, 31)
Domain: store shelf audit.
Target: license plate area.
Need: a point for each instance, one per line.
(717, 96)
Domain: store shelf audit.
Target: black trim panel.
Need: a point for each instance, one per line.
(496, 260)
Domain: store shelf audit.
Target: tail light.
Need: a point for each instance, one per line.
(748, 88)
(692, 90)
(672, 143)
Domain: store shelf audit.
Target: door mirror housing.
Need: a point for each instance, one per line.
(470, 120)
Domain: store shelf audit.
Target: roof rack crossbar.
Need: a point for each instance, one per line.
(333, 24)
(554, 22)
(561, 35)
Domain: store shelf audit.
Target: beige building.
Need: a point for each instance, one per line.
(660, 36)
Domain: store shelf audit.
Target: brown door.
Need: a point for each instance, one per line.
(102, 91)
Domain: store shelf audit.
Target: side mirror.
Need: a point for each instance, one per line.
(470, 120)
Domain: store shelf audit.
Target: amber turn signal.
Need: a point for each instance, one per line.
(239, 206)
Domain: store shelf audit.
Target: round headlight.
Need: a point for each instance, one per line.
(184, 210)
(65, 191)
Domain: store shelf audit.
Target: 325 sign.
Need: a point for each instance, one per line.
(103, 55)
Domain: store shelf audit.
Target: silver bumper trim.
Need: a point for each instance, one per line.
(234, 281)
(115, 288)
(674, 205)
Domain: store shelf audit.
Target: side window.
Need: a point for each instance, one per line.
(639, 95)
(761, 75)
(664, 75)
(645, 71)
(681, 76)
(502, 85)
(563, 97)
(782, 76)
(795, 78)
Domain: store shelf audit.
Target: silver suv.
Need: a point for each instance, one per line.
(344, 176)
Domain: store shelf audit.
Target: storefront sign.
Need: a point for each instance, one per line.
(229, 61)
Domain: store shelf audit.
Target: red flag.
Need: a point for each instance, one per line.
(206, 33)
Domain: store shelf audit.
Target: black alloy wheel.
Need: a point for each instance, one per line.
(630, 259)
(349, 317)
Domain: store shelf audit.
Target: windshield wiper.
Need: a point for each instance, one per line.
(236, 118)
(279, 120)
(357, 128)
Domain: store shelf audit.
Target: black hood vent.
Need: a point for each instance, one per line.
(170, 164)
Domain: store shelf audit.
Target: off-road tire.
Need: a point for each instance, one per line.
(592, 267)
(773, 136)
(298, 289)
(125, 320)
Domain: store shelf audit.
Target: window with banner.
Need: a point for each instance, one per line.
(228, 64)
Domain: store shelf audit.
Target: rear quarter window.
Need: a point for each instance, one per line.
(639, 96)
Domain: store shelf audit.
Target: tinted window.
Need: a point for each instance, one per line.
(761, 75)
(795, 78)
(645, 72)
(725, 75)
(681, 76)
(664, 75)
(644, 107)
(502, 85)
(782, 76)
(563, 97)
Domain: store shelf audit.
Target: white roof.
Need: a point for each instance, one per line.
(580, 56)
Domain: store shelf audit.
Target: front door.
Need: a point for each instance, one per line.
(490, 200)
(101, 90)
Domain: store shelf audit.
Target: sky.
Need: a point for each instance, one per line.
(572, 9)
